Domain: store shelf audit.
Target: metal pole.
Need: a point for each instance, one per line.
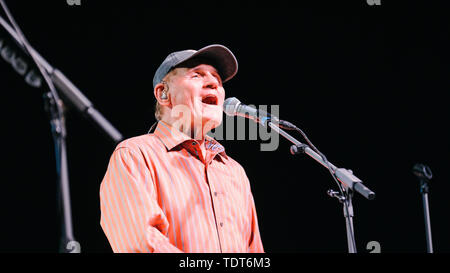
(426, 213)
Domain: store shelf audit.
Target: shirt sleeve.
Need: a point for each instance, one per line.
(131, 217)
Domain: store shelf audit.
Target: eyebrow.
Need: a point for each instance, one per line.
(214, 72)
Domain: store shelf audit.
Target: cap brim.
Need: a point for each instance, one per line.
(222, 57)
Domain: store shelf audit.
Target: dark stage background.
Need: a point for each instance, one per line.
(366, 83)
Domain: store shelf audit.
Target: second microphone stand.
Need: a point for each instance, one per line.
(54, 106)
(424, 174)
(58, 128)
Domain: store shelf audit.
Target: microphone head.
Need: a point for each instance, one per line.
(422, 171)
(230, 106)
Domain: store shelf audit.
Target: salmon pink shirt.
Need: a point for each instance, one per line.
(160, 194)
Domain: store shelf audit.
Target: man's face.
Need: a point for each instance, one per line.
(197, 91)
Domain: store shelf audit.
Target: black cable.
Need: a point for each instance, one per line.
(321, 155)
(289, 126)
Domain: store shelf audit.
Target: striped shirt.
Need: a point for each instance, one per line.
(160, 194)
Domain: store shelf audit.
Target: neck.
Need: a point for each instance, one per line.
(195, 132)
(198, 133)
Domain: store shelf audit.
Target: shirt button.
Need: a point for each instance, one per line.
(221, 224)
(215, 193)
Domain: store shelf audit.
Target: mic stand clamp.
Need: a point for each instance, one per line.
(298, 148)
(336, 195)
(57, 123)
(346, 200)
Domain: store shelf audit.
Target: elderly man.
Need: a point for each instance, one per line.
(175, 189)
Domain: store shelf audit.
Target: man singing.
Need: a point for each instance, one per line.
(175, 189)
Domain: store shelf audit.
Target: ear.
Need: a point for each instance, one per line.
(159, 89)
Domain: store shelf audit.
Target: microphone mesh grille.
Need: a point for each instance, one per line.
(230, 105)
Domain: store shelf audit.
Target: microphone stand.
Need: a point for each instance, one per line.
(350, 182)
(346, 200)
(426, 210)
(58, 128)
(54, 107)
(424, 174)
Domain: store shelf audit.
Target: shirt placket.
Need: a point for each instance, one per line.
(218, 219)
(215, 199)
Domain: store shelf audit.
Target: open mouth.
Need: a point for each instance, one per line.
(210, 99)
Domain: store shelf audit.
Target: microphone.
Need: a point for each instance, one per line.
(234, 107)
(422, 171)
(424, 174)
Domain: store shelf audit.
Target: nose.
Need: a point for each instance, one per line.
(211, 82)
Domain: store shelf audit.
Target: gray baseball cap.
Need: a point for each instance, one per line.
(220, 56)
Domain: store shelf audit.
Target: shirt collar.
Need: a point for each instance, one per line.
(172, 137)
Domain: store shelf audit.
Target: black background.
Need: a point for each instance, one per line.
(366, 83)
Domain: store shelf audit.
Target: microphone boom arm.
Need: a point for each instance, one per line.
(345, 176)
(69, 90)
